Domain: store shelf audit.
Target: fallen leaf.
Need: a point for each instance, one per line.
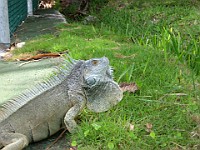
(73, 148)
(128, 87)
(149, 126)
(131, 127)
(196, 118)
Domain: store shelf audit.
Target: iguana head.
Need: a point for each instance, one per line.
(101, 90)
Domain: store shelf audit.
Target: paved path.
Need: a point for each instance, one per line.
(44, 21)
(15, 78)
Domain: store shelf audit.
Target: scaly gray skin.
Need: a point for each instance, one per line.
(40, 112)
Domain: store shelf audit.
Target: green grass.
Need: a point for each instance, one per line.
(170, 26)
(161, 57)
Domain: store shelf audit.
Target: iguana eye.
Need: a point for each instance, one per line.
(95, 62)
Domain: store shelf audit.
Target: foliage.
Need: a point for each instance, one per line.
(66, 8)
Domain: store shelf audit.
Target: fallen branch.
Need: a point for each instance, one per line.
(183, 148)
(172, 94)
(40, 56)
(59, 137)
(27, 62)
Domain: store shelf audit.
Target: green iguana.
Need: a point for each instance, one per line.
(40, 112)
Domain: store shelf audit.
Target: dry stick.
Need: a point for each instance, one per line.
(27, 62)
(40, 56)
(172, 94)
(58, 138)
(178, 145)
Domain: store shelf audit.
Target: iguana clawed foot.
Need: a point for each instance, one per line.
(13, 141)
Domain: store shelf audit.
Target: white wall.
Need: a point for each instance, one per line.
(4, 22)
(30, 7)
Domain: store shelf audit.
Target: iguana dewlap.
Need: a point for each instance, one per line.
(40, 112)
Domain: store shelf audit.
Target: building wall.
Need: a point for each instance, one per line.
(12, 13)
(4, 23)
(17, 12)
(35, 4)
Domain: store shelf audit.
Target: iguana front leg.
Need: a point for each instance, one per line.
(79, 102)
(13, 141)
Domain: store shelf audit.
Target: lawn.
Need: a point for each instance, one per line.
(153, 44)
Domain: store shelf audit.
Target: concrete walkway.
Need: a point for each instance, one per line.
(14, 77)
(44, 21)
